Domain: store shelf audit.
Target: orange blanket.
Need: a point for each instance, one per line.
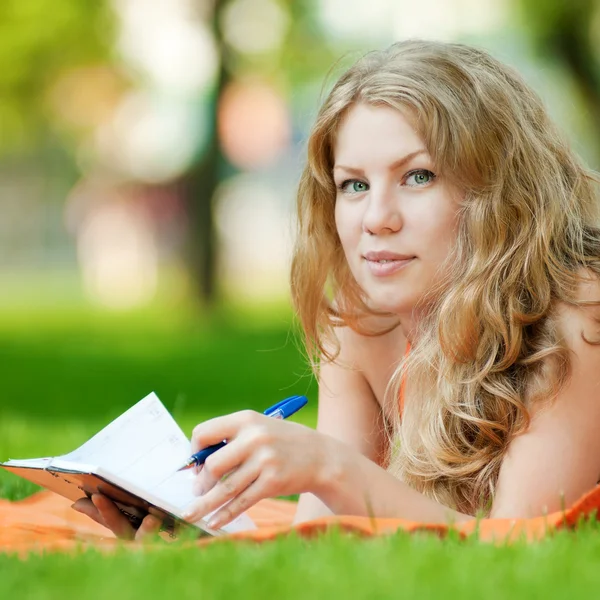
(46, 522)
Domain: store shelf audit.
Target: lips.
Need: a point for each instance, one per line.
(384, 255)
(384, 263)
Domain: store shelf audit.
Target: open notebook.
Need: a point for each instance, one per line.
(134, 461)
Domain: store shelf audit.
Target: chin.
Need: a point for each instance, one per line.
(392, 304)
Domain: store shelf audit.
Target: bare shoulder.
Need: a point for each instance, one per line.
(558, 458)
(580, 325)
(579, 328)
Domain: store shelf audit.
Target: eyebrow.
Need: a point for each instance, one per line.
(395, 165)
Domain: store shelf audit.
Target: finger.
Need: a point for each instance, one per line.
(149, 528)
(225, 490)
(218, 429)
(219, 464)
(115, 520)
(204, 482)
(249, 497)
(86, 507)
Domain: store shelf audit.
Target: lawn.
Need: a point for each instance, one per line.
(65, 375)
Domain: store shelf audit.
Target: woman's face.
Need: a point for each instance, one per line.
(395, 215)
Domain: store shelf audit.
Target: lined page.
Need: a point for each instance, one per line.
(143, 445)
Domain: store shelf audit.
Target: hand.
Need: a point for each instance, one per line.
(264, 457)
(104, 511)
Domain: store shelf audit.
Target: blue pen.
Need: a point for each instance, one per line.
(282, 410)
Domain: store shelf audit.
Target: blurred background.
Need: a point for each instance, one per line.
(149, 155)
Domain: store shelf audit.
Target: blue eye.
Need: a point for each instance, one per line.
(356, 186)
(419, 177)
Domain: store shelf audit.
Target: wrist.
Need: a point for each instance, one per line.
(330, 470)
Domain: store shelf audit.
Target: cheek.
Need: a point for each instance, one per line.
(441, 237)
(343, 224)
(436, 219)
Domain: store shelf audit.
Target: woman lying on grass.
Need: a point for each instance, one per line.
(446, 277)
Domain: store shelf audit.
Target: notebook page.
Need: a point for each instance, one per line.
(29, 463)
(174, 488)
(143, 445)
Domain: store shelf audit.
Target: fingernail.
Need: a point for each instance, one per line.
(214, 523)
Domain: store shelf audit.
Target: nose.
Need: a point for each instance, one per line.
(382, 212)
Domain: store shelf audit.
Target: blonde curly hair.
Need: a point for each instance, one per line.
(488, 347)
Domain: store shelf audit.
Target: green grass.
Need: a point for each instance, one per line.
(91, 367)
(332, 566)
(67, 374)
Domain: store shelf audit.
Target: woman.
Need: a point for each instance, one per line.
(446, 278)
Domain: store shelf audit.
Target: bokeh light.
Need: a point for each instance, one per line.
(254, 228)
(205, 106)
(253, 124)
(254, 26)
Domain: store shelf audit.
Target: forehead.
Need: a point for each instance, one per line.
(369, 133)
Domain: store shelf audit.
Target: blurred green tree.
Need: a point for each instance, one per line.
(40, 40)
(41, 43)
(569, 30)
(302, 58)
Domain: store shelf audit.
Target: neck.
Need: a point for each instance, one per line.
(409, 323)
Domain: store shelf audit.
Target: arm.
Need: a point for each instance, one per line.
(558, 458)
(545, 469)
(348, 412)
(267, 457)
(354, 485)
